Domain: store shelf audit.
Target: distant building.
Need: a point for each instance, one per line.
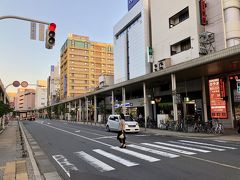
(82, 62)
(41, 94)
(42, 83)
(12, 99)
(53, 92)
(25, 99)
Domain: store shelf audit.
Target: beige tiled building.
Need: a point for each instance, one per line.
(82, 62)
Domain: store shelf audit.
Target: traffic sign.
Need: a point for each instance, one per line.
(16, 83)
(24, 84)
(33, 31)
(41, 32)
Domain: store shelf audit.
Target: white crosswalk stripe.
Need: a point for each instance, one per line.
(193, 142)
(170, 149)
(195, 145)
(115, 158)
(183, 147)
(99, 165)
(161, 153)
(136, 154)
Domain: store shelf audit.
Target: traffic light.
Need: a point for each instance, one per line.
(50, 36)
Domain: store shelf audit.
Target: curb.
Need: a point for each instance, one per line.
(36, 171)
(37, 157)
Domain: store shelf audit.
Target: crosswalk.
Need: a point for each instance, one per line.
(149, 152)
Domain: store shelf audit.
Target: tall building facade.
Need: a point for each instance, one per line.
(82, 62)
(176, 32)
(25, 99)
(189, 29)
(54, 85)
(131, 39)
(41, 94)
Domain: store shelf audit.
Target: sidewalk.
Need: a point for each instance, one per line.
(12, 165)
(19, 158)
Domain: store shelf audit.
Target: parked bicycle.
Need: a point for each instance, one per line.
(214, 126)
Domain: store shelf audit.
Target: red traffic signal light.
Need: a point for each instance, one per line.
(52, 27)
(50, 36)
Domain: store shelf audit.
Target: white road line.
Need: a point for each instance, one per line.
(115, 158)
(221, 141)
(136, 154)
(64, 164)
(183, 147)
(99, 165)
(77, 131)
(193, 142)
(171, 149)
(161, 153)
(106, 137)
(78, 135)
(141, 135)
(196, 145)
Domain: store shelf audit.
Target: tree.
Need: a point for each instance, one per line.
(4, 109)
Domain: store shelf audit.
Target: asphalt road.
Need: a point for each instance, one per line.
(85, 152)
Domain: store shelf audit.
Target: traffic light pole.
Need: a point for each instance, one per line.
(24, 19)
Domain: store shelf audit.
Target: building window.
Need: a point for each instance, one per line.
(179, 17)
(72, 87)
(72, 74)
(72, 80)
(181, 46)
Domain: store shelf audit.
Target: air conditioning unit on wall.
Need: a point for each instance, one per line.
(162, 64)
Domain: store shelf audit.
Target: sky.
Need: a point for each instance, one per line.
(23, 59)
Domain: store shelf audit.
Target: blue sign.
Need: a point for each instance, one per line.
(65, 86)
(52, 68)
(131, 3)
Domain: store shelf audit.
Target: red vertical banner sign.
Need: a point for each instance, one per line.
(217, 104)
(203, 14)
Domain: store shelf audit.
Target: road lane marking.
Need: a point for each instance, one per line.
(136, 154)
(194, 142)
(195, 145)
(161, 153)
(213, 162)
(85, 130)
(77, 131)
(64, 164)
(78, 135)
(105, 137)
(183, 147)
(99, 165)
(171, 149)
(115, 158)
(221, 141)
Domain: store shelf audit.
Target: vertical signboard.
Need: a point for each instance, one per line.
(217, 93)
(203, 14)
(131, 3)
(41, 32)
(33, 31)
(65, 86)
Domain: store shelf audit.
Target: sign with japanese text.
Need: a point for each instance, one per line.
(217, 104)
